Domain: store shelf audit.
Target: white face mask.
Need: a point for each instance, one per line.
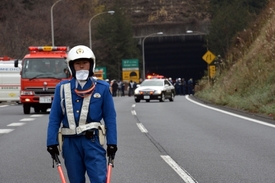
(82, 74)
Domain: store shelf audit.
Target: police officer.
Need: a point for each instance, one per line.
(190, 86)
(79, 105)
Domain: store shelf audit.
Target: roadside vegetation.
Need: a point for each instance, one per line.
(241, 33)
(245, 77)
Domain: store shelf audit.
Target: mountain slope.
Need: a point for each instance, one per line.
(247, 80)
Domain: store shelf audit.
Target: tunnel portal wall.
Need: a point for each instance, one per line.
(176, 56)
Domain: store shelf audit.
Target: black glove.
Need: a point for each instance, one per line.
(53, 150)
(111, 150)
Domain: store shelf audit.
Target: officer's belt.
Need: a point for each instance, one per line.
(78, 130)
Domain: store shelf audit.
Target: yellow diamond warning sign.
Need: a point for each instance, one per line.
(208, 57)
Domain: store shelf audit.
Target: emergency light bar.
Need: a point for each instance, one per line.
(155, 77)
(5, 58)
(48, 48)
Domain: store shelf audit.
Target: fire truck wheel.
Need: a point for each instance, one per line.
(26, 109)
(36, 109)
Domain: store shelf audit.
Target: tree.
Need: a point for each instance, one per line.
(229, 18)
(114, 35)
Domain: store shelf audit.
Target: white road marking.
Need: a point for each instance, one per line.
(232, 114)
(16, 124)
(134, 112)
(5, 130)
(4, 105)
(36, 115)
(142, 128)
(27, 119)
(181, 172)
(185, 176)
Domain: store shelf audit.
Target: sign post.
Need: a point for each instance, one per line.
(103, 69)
(212, 71)
(130, 70)
(209, 57)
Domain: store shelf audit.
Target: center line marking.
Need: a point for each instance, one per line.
(142, 128)
(181, 172)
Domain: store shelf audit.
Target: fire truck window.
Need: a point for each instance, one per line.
(45, 68)
(59, 67)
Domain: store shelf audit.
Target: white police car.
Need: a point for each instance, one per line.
(155, 89)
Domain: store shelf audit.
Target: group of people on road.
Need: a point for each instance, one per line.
(183, 87)
(118, 87)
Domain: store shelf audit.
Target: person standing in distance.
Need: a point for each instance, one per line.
(78, 107)
(190, 87)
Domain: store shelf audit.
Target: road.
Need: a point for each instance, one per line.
(158, 142)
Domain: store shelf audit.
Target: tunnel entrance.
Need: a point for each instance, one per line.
(176, 56)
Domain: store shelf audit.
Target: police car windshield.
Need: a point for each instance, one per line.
(44, 68)
(152, 83)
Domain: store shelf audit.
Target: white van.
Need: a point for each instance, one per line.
(9, 82)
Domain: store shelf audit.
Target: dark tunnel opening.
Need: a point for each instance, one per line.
(176, 56)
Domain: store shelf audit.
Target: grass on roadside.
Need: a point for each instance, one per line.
(247, 81)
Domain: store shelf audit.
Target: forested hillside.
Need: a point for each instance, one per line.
(245, 77)
(28, 22)
(240, 32)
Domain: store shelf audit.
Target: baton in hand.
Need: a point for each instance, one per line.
(59, 168)
(110, 166)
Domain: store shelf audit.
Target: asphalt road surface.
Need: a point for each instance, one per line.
(158, 142)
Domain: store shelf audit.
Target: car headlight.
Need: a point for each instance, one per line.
(157, 91)
(136, 92)
(23, 92)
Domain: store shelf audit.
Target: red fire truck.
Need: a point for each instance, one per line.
(42, 68)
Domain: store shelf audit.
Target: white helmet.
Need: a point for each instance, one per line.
(80, 52)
